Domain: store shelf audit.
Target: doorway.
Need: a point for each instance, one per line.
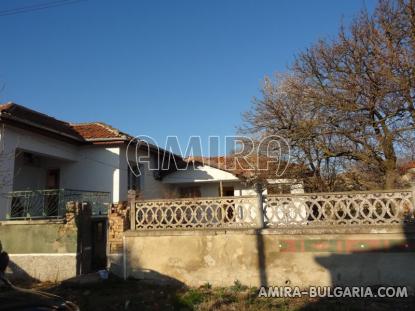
(51, 199)
(52, 181)
(99, 243)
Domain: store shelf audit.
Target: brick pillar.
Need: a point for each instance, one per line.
(118, 223)
(72, 210)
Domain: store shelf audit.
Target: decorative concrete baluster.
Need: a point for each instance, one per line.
(260, 206)
(131, 204)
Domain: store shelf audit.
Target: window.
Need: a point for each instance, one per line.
(228, 191)
(134, 182)
(190, 192)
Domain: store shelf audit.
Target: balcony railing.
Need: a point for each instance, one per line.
(32, 204)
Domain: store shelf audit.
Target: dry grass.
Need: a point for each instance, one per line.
(115, 294)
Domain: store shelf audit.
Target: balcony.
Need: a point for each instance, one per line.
(51, 204)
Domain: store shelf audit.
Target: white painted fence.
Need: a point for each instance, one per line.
(279, 211)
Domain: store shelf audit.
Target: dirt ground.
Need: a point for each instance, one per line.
(116, 294)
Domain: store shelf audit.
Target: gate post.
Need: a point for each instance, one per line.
(84, 240)
(131, 203)
(260, 205)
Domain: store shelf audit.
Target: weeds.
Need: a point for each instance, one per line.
(238, 286)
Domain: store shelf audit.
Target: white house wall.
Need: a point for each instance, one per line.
(91, 168)
(13, 138)
(195, 174)
(151, 188)
(28, 177)
(208, 179)
(96, 169)
(6, 167)
(242, 190)
(211, 189)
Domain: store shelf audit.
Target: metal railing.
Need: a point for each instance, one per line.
(279, 211)
(32, 204)
(100, 201)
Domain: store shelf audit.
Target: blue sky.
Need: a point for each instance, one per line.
(157, 68)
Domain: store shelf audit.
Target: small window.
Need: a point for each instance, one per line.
(228, 191)
(190, 192)
(134, 182)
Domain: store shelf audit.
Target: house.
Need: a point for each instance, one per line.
(58, 160)
(228, 176)
(45, 162)
(202, 180)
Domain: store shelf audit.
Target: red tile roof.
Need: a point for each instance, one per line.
(98, 131)
(405, 167)
(83, 132)
(5, 107)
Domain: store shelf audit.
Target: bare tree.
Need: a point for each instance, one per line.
(349, 101)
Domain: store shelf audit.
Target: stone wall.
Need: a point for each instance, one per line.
(364, 256)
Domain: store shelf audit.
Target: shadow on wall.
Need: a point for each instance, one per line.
(374, 263)
(12, 271)
(259, 240)
(382, 262)
(93, 293)
(148, 275)
(16, 273)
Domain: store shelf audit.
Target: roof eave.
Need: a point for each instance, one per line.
(5, 116)
(108, 139)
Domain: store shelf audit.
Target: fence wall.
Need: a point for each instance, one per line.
(271, 257)
(44, 250)
(49, 249)
(360, 238)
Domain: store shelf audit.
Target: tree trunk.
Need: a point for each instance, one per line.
(390, 179)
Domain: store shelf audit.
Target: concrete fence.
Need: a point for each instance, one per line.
(41, 249)
(282, 211)
(351, 238)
